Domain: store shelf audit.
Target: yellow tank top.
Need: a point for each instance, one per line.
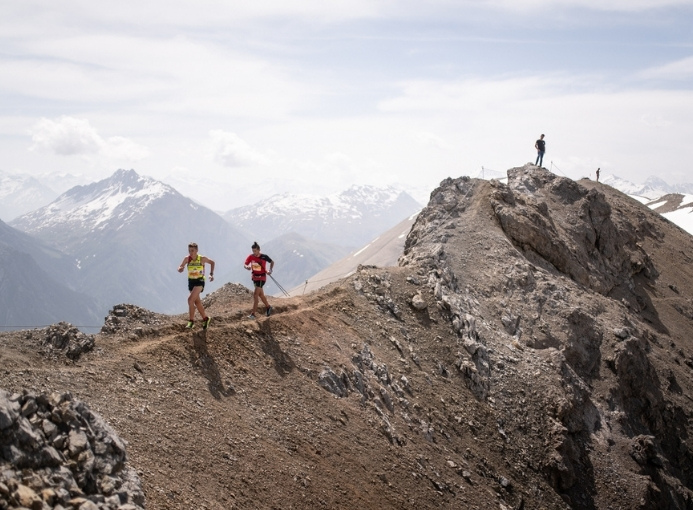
(196, 269)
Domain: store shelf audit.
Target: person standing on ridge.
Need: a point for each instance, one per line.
(540, 146)
(196, 282)
(257, 263)
(597, 174)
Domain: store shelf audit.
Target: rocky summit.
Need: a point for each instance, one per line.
(532, 350)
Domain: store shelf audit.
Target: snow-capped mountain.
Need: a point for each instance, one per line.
(653, 187)
(351, 218)
(129, 233)
(101, 206)
(20, 194)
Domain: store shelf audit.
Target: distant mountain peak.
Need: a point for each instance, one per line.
(20, 194)
(653, 187)
(349, 218)
(114, 200)
(127, 233)
(656, 182)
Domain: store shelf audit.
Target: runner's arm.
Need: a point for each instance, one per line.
(207, 260)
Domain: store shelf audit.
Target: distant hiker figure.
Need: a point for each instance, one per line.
(257, 263)
(196, 282)
(540, 146)
(597, 174)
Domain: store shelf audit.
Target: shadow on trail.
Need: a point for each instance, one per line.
(209, 367)
(283, 363)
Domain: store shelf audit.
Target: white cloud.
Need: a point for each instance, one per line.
(339, 161)
(674, 71)
(174, 15)
(66, 137)
(470, 95)
(154, 75)
(597, 5)
(69, 136)
(120, 148)
(214, 13)
(431, 139)
(229, 150)
(402, 90)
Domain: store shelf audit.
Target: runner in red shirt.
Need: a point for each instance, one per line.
(257, 263)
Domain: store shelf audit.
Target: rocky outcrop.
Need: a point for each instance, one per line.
(57, 454)
(426, 248)
(61, 339)
(567, 274)
(133, 319)
(585, 241)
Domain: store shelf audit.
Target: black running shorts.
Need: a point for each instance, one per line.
(198, 282)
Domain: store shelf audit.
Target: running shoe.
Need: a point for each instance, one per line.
(251, 316)
(190, 325)
(205, 322)
(269, 311)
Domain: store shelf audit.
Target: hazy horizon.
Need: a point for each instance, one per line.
(237, 101)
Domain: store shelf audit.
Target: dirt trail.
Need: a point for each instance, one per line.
(233, 417)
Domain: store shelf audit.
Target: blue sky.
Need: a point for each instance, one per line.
(233, 101)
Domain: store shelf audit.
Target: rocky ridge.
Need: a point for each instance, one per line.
(533, 350)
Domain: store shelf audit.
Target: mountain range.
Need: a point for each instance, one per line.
(309, 233)
(124, 236)
(350, 219)
(675, 202)
(117, 239)
(653, 187)
(128, 235)
(20, 194)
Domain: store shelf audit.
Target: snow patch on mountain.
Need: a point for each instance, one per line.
(350, 218)
(682, 217)
(653, 187)
(347, 204)
(674, 202)
(120, 197)
(676, 208)
(102, 225)
(20, 194)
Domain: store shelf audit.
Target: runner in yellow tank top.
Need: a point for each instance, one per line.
(196, 282)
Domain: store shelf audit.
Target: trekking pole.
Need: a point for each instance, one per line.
(280, 287)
